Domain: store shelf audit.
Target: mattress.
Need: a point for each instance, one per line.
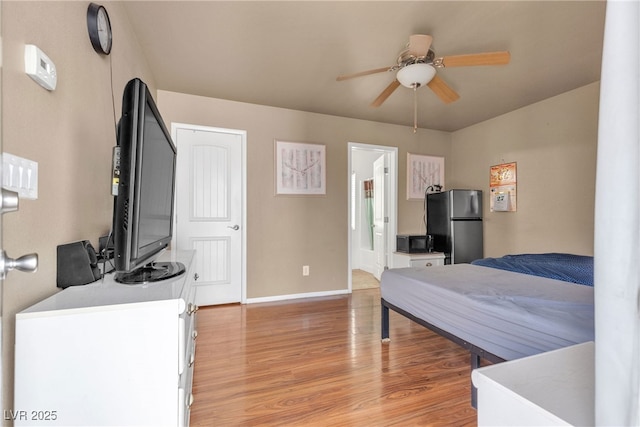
(508, 314)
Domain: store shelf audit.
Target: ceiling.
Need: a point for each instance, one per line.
(288, 54)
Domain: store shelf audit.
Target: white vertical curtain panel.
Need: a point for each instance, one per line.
(617, 233)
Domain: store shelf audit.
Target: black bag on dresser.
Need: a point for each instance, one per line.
(77, 264)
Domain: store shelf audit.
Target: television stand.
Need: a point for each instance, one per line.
(152, 272)
(107, 354)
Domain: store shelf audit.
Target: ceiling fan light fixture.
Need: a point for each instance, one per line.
(415, 75)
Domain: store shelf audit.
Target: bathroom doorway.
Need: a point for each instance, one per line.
(372, 212)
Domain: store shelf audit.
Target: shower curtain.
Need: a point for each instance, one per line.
(617, 233)
(368, 202)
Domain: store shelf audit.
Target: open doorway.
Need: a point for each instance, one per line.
(372, 212)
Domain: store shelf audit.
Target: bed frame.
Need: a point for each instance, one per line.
(450, 283)
(477, 353)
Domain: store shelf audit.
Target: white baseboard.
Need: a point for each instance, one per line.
(297, 296)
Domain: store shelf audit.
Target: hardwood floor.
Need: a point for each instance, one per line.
(320, 362)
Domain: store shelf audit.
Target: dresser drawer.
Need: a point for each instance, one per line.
(431, 259)
(185, 394)
(426, 262)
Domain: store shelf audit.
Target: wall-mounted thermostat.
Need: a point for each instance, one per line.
(39, 67)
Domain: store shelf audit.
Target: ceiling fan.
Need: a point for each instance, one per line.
(416, 67)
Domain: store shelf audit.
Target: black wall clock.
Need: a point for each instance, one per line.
(99, 28)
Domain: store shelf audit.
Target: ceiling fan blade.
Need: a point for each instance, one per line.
(385, 93)
(362, 73)
(487, 58)
(419, 45)
(442, 90)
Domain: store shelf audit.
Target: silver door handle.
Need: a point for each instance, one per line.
(9, 201)
(27, 263)
(235, 227)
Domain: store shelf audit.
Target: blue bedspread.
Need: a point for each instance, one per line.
(566, 267)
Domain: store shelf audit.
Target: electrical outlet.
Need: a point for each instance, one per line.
(305, 270)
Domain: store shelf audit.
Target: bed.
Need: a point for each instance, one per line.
(498, 308)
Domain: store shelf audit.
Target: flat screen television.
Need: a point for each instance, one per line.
(143, 186)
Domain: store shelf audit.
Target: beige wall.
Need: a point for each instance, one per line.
(69, 132)
(554, 144)
(284, 233)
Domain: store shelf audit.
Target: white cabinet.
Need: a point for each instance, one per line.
(431, 259)
(108, 354)
(554, 388)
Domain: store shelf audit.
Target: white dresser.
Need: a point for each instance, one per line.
(430, 259)
(555, 388)
(108, 354)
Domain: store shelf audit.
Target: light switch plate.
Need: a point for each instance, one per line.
(20, 175)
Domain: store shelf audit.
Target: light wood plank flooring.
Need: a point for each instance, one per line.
(320, 362)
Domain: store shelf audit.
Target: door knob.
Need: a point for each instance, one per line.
(27, 263)
(8, 201)
(235, 227)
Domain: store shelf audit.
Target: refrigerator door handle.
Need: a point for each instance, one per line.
(474, 202)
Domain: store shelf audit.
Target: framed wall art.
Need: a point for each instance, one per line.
(425, 174)
(503, 187)
(301, 168)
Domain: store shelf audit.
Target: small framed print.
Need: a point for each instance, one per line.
(425, 174)
(503, 181)
(301, 168)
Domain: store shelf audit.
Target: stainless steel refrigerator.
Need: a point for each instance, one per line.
(454, 219)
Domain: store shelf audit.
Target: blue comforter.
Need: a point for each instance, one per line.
(565, 267)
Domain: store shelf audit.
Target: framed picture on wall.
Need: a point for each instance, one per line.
(503, 187)
(301, 168)
(425, 174)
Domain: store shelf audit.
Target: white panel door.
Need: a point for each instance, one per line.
(209, 209)
(379, 214)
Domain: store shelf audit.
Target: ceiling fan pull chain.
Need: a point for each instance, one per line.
(415, 109)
